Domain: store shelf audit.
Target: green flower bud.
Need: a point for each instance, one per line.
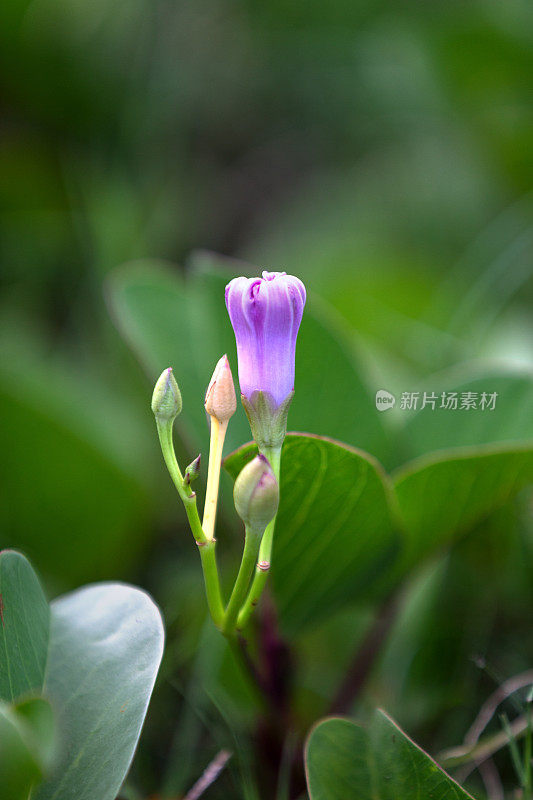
(166, 399)
(256, 494)
(192, 471)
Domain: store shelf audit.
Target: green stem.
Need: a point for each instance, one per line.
(187, 495)
(248, 671)
(205, 545)
(212, 582)
(265, 551)
(238, 595)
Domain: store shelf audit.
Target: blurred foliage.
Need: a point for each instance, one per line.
(379, 150)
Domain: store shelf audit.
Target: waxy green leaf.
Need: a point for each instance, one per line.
(105, 649)
(335, 531)
(347, 762)
(94, 654)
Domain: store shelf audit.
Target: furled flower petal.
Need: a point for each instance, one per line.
(266, 314)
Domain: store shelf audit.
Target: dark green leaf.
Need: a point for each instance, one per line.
(347, 762)
(335, 531)
(26, 737)
(24, 628)
(448, 493)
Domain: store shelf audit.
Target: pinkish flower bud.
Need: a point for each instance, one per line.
(220, 400)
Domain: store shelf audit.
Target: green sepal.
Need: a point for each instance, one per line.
(267, 421)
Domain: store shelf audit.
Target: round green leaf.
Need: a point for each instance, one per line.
(347, 762)
(105, 649)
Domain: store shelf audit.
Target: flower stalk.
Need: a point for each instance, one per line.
(216, 446)
(220, 404)
(165, 424)
(240, 588)
(262, 567)
(266, 314)
(256, 496)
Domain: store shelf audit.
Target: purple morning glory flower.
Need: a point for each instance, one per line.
(266, 314)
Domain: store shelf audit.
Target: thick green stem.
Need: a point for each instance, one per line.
(212, 582)
(205, 545)
(238, 595)
(265, 551)
(248, 670)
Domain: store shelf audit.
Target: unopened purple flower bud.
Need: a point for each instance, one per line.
(256, 494)
(266, 314)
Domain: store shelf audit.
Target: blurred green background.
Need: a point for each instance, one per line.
(380, 150)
